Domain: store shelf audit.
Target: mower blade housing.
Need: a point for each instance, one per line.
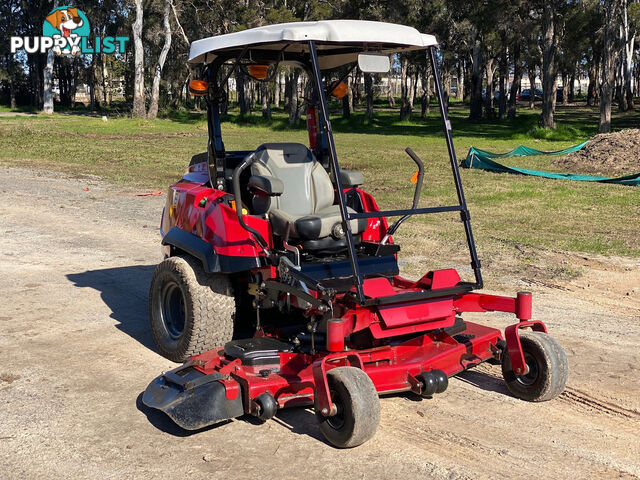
(192, 399)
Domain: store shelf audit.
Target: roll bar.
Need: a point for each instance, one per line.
(346, 216)
(404, 214)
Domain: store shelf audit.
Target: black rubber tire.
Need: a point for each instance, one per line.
(548, 369)
(268, 406)
(355, 396)
(190, 311)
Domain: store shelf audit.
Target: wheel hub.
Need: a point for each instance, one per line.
(172, 308)
(531, 376)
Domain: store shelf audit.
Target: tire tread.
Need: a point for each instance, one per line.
(211, 300)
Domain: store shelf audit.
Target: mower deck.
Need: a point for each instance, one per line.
(214, 386)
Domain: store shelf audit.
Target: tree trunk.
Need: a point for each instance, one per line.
(629, 44)
(252, 95)
(276, 92)
(504, 72)
(224, 100)
(293, 98)
(241, 93)
(488, 98)
(355, 88)
(618, 80)
(572, 85)
(105, 81)
(405, 108)
(157, 74)
(548, 64)
(11, 80)
(92, 83)
(12, 93)
(475, 108)
(266, 105)
(426, 91)
(347, 102)
(592, 90)
(532, 87)
(608, 66)
(47, 85)
(515, 85)
(350, 92)
(368, 91)
(283, 87)
(565, 88)
(390, 100)
(446, 86)
(460, 82)
(414, 88)
(139, 108)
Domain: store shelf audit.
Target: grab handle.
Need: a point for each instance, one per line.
(248, 160)
(416, 195)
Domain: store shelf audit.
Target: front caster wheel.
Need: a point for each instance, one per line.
(434, 381)
(267, 406)
(548, 369)
(358, 408)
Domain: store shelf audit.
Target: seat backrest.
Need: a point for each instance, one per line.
(307, 186)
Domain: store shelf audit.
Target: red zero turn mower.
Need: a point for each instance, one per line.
(280, 285)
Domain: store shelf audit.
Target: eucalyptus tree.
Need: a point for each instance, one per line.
(612, 10)
(629, 27)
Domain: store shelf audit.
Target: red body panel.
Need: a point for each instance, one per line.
(376, 227)
(206, 212)
(388, 367)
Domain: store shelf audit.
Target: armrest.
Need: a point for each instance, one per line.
(349, 178)
(270, 186)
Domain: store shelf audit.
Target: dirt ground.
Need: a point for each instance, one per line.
(76, 353)
(614, 154)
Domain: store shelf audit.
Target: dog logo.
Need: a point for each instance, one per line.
(66, 25)
(66, 31)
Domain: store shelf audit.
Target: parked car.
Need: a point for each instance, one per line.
(526, 94)
(496, 94)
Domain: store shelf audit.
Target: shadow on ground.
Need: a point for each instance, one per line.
(125, 291)
(300, 421)
(484, 381)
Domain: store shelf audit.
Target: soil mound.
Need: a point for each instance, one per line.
(609, 154)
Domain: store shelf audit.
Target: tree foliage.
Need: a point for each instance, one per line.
(485, 47)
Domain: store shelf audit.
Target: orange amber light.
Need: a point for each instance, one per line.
(339, 90)
(198, 88)
(259, 72)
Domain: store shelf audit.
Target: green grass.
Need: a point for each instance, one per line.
(8, 109)
(510, 214)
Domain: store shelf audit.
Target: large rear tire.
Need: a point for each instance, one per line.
(190, 311)
(548, 369)
(356, 399)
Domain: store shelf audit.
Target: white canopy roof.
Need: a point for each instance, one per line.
(330, 35)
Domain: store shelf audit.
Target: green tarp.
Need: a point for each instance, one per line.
(477, 158)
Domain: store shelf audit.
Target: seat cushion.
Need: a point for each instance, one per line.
(311, 227)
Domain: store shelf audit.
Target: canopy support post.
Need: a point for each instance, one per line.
(464, 212)
(326, 125)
